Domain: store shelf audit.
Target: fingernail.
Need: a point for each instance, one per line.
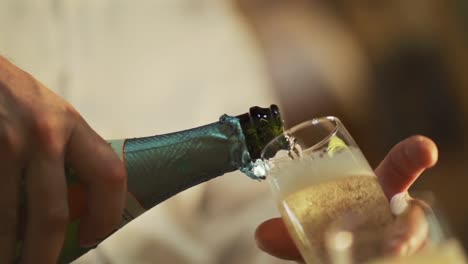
(89, 243)
(399, 203)
(93, 243)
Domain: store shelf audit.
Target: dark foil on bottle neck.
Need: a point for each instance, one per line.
(260, 126)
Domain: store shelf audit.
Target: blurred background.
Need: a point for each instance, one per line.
(389, 69)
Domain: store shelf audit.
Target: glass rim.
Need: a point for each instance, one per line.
(311, 122)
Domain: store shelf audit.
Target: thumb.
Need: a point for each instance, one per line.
(404, 163)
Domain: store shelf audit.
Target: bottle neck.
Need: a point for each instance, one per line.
(163, 165)
(160, 166)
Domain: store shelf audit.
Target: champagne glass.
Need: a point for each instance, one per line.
(318, 174)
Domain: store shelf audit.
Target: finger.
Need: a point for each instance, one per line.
(46, 208)
(9, 202)
(273, 238)
(100, 169)
(409, 232)
(404, 163)
(11, 169)
(76, 201)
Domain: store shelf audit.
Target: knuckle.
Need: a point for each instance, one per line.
(70, 111)
(46, 133)
(72, 116)
(11, 142)
(3, 59)
(117, 175)
(9, 71)
(4, 62)
(29, 80)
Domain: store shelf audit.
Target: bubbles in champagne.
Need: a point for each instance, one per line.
(311, 210)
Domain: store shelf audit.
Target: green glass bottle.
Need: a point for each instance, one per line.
(161, 166)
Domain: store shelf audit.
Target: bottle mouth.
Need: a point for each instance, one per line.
(260, 126)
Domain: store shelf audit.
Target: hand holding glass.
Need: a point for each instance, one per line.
(319, 176)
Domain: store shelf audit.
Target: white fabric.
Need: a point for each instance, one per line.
(137, 68)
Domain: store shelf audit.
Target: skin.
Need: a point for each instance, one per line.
(409, 231)
(39, 133)
(401, 167)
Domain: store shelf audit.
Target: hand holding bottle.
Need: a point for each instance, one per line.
(39, 133)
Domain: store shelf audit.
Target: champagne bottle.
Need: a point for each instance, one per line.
(161, 166)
